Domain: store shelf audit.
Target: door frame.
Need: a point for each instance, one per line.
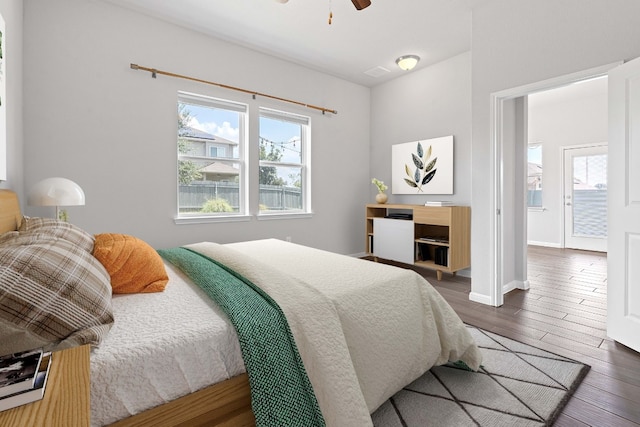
(564, 150)
(497, 174)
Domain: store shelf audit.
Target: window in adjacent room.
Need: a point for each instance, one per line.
(211, 166)
(534, 175)
(284, 162)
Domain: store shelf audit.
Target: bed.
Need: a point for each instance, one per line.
(175, 358)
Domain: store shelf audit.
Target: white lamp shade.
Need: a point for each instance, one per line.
(56, 192)
(407, 62)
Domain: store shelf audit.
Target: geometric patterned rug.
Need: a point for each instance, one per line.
(517, 385)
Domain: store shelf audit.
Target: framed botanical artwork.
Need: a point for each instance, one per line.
(423, 167)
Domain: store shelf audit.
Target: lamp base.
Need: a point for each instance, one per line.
(62, 214)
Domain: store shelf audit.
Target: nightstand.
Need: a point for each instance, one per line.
(66, 397)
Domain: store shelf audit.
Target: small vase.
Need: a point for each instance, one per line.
(381, 198)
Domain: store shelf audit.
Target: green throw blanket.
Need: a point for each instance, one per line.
(281, 393)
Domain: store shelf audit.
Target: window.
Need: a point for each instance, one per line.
(284, 162)
(216, 152)
(534, 176)
(211, 166)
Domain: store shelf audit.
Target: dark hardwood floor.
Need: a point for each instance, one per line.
(564, 312)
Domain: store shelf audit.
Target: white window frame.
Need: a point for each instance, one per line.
(242, 160)
(305, 165)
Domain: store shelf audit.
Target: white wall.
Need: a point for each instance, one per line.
(517, 42)
(567, 116)
(513, 194)
(11, 11)
(428, 103)
(113, 130)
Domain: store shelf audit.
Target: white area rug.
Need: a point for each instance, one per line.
(517, 385)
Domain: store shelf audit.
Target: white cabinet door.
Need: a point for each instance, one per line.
(393, 239)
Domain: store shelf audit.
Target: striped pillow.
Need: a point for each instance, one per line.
(57, 228)
(53, 294)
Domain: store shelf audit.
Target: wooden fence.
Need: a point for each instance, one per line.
(272, 197)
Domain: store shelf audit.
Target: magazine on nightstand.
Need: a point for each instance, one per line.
(18, 371)
(438, 203)
(33, 394)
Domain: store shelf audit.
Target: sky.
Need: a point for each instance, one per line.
(224, 123)
(535, 154)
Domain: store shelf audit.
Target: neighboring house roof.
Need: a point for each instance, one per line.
(189, 132)
(579, 185)
(534, 169)
(219, 168)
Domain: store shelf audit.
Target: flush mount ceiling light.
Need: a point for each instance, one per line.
(407, 62)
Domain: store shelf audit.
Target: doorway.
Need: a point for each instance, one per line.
(504, 170)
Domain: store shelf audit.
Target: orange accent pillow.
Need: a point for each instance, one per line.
(133, 265)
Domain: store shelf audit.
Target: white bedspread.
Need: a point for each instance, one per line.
(364, 330)
(162, 346)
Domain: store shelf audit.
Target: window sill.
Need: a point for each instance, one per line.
(211, 219)
(282, 215)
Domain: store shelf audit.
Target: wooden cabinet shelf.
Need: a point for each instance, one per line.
(433, 237)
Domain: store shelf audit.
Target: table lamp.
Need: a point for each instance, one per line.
(56, 192)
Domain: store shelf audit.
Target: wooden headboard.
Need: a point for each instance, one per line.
(10, 216)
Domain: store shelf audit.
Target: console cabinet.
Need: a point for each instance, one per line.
(434, 237)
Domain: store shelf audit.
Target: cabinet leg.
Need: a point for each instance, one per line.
(439, 274)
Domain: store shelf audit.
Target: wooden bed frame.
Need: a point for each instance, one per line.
(224, 404)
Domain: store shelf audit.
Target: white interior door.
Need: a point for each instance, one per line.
(585, 198)
(623, 259)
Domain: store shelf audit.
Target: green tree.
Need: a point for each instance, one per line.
(268, 174)
(295, 178)
(187, 169)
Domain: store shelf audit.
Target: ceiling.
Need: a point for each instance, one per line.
(355, 43)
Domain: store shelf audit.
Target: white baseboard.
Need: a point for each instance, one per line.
(545, 244)
(358, 255)
(509, 286)
(515, 284)
(481, 298)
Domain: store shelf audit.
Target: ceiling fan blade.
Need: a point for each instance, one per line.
(361, 4)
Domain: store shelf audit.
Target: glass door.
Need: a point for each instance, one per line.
(585, 198)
